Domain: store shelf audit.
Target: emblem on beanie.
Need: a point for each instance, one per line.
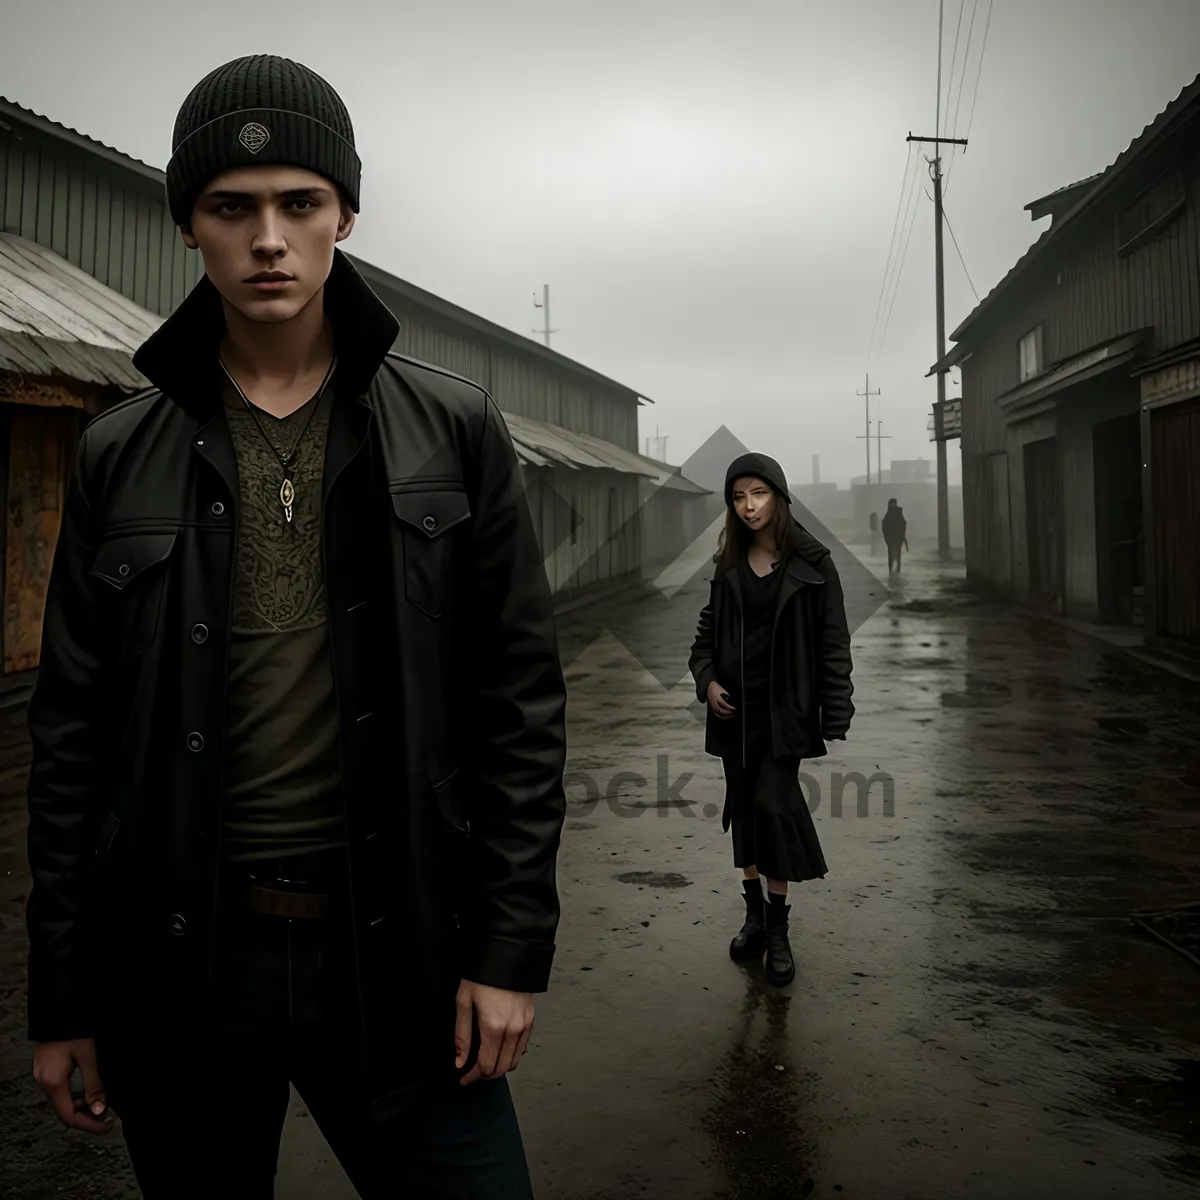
(254, 136)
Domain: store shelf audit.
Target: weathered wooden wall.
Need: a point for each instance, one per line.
(1084, 293)
(1018, 437)
(986, 518)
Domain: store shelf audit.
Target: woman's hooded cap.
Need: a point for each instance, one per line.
(760, 466)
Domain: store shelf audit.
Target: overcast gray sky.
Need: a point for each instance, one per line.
(708, 188)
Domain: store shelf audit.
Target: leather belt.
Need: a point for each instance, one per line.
(262, 899)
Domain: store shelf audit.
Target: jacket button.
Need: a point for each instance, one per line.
(430, 523)
(218, 509)
(177, 925)
(195, 742)
(199, 634)
(123, 569)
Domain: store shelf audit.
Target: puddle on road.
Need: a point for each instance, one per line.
(759, 1114)
(977, 692)
(655, 879)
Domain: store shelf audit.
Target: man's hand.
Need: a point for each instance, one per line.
(54, 1064)
(505, 1023)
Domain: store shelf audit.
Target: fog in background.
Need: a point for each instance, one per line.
(709, 189)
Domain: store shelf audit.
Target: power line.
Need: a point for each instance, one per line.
(966, 58)
(979, 73)
(900, 270)
(978, 76)
(897, 265)
(954, 56)
(941, 26)
(961, 83)
(967, 273)
(896, 227)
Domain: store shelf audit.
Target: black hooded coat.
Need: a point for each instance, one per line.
(811, 665)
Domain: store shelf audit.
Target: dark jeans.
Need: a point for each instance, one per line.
(212, 1128)
(894, 555)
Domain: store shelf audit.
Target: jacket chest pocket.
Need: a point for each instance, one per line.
(426, 519)
(134, 567)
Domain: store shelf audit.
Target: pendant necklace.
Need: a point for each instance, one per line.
(287, 489)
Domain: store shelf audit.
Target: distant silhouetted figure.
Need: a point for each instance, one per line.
(873, 522)
(895, 533)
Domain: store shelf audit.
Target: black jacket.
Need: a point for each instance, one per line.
(810, 662)
(810, 666)
(894, 526)
(450, 699)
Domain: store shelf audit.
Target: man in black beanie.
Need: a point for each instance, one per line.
(298, 732)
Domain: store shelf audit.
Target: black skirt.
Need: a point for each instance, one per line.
(773, 829)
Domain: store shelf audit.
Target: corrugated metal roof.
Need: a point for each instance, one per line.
(542, 445)
(65, 133)
(1062, 191)
(1187, 99)
(58, 320)
(557, 446)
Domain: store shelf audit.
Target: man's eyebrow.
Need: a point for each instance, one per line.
(301, 193)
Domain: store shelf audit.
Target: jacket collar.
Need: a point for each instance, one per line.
(180, 357)
(797, 572)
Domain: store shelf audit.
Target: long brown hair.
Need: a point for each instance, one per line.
(734, 543)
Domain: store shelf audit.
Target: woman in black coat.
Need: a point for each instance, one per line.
(772, 661)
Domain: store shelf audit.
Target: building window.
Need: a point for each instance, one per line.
(1031, 354)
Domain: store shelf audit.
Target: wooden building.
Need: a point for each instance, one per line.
(90, 264)
(1081, 396)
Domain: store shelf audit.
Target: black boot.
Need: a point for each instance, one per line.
(781, 967)
(751, 940)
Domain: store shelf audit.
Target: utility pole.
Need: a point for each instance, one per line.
(942, 491)
(868, 394)
(544, 304)
(879, 437)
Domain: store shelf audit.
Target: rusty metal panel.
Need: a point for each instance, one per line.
(35, 498)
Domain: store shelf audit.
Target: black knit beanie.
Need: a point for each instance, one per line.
(255, 110)
(761, 466)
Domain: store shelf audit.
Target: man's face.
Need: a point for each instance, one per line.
(267, 235)
(754, 502)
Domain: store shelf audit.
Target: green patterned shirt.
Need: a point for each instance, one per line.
(283, 782)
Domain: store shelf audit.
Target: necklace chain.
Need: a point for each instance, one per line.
(287, 490)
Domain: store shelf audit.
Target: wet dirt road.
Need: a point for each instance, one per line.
(973, 1016)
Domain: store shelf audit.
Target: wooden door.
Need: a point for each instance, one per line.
(1175, 485)
(36, 484)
